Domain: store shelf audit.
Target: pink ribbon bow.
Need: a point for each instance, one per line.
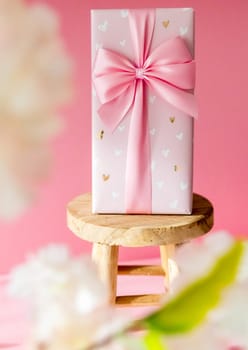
(121, 86)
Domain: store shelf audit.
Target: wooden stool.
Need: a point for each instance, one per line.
(108, 232)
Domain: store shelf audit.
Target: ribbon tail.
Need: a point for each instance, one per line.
(138, 193)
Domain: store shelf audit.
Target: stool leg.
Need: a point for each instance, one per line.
(106, 259)
(166, 252)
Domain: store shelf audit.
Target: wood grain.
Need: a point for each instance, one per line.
(166, 252)
(139, 300)
(138, 230)
(106, 259)
(140, 270)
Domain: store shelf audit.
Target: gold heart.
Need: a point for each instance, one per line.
(100, 135)
(105, 177)
(175, 167)
(172, 119)
(166, 23)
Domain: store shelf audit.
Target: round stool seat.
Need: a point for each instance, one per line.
(138, 230)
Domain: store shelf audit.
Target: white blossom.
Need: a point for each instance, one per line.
(226, 326)
(35, 80)
(194, 259)
(70, 303)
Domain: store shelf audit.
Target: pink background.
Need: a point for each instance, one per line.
(220, 170)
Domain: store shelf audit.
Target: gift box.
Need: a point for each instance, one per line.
(143, 109)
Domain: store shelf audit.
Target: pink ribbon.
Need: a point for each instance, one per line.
(121, 86)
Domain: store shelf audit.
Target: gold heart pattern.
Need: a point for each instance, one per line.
(166, 23)
(172, 119)
(101, 134)
(105, 177)
(176, 167)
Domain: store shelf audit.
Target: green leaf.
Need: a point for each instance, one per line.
(190, 307)
(152, 341)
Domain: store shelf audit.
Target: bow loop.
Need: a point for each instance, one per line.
(172, 51)
(172, 63)
(112, 74)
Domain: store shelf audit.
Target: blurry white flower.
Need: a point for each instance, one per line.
(35, 80)
(202, 338)
(194, 259)
(226, 326)
(231, 318)
(70, 303)
(71, 310)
